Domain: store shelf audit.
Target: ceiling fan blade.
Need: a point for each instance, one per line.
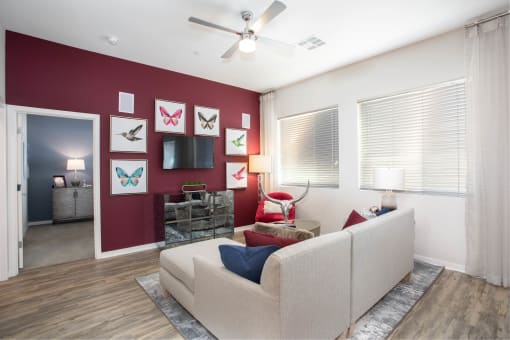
(271, 12)
(211, 25)
(231, 51)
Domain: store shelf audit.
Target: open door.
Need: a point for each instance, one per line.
(22, 183)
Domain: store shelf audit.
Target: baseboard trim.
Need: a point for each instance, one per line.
(130, 250)
(448, 265)
(29, 224)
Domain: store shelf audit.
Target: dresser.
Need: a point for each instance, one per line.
(72, 204)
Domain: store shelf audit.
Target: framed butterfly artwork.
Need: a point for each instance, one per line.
(207, 121)
(170, 117)
(128, 176)
(236, 142)
(237, 175)
(128, 134)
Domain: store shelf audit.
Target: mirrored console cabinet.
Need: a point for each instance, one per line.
(196, 216)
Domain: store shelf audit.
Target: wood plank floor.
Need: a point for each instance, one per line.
(100, 299)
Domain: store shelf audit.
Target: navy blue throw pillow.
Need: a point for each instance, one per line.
(246, 261)
(383, 211)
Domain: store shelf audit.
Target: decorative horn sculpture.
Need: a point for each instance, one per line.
(285, 204)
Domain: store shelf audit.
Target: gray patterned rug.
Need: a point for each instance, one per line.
(377, 323)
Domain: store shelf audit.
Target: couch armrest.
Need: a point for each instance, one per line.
(382, 254)
(231, 306)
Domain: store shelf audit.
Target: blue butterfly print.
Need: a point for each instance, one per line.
(126, 180)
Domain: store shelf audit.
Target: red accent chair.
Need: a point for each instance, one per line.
(268, 218)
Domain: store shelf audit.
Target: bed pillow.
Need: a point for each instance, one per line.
(246, 261)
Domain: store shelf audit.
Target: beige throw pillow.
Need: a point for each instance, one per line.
(282, 231)
(272, 208)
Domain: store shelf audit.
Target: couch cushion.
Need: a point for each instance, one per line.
(354, 218)
(282, 231)
(179, 261)
(254, 239)
(246, 261)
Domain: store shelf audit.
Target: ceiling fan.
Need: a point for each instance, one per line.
(248, 37)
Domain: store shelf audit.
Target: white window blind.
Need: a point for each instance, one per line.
(421, 131)
(309, 148)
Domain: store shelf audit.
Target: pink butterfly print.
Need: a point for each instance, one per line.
(239, 175)
(168, 118)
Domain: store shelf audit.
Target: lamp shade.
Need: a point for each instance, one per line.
(389, 178)
(247, 45)
(260, 164)
(75, 164)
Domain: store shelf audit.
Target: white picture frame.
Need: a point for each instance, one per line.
(236, 142)
(128, 134)
(207, 121)
(237, 175)
(128, 176)
(170, 117)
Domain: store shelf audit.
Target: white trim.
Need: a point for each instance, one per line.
(4, 249)
(125, 251)
(39, 223)
(11, 164)
(448, 265)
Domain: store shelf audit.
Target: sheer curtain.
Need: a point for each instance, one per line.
(488, 151)
(267, 135)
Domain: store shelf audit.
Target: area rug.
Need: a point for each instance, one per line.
(377, 323)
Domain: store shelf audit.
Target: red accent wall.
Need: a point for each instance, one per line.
(44, 74)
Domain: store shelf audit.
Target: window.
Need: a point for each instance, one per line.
(309, 148)
(421, 131)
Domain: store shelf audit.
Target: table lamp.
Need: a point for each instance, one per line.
(260, 164)
(75, 164)
(389, 179)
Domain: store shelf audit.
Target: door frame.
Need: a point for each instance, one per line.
(13, 223)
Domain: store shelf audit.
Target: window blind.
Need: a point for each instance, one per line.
(308, 148)
(421, 131)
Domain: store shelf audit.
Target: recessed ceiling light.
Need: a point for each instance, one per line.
(112, 39)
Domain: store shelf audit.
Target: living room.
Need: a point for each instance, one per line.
(57, 65)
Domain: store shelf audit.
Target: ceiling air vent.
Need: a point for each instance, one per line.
(311, 43)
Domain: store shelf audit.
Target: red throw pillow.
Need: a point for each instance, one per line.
(254, 239)
(354, 218)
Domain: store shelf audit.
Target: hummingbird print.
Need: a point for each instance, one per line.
(238, 141)
(131, 135)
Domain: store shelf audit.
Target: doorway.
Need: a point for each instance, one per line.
(56, 189)
(86, 188)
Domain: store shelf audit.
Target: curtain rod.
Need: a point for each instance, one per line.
(481, 21)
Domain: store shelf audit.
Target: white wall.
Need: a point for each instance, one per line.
(440, 234)
(3, 169)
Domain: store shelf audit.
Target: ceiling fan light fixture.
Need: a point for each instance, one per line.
(247, 45)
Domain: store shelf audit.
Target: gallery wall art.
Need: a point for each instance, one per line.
(128, 134)
(170, 117)
(237, 175)
(207, 121)
(128, 176)
(236, 142)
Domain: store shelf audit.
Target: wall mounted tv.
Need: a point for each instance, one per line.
(181, 152)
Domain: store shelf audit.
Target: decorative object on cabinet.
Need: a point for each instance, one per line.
(128, 134)
(128, 176)
(389, 179)
(126, 102)
(170, 117)
(207, 121)
(71, 204)
(237, 175)
(196, 215)
(59, 181)
(75, 164)
(236, 142)
(260, 164)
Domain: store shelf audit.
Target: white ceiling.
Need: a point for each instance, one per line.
(157, 32)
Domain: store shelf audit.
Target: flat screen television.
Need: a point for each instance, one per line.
(181, 152)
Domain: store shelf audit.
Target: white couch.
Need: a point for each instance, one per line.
(313, 289)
